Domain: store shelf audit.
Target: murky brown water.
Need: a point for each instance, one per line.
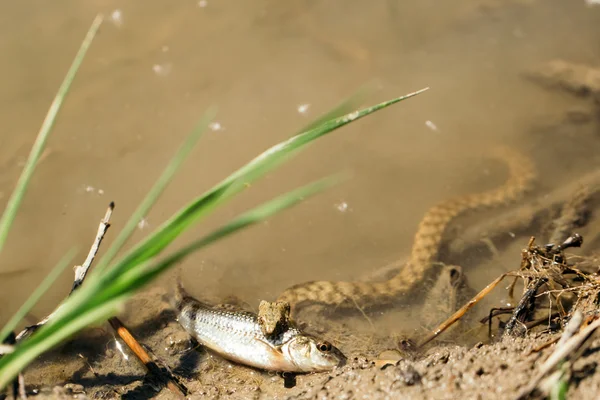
(152, 72)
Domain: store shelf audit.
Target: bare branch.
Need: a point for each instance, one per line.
(82, 270)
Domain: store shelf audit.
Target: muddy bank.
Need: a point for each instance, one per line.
(97, 366)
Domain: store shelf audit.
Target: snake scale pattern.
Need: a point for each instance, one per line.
(521, 174)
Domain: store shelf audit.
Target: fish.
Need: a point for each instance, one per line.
(237, 336)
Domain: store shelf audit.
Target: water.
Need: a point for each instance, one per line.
(271, 67)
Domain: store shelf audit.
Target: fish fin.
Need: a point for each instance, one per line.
(276, 348)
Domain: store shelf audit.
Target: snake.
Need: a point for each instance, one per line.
(426, 245)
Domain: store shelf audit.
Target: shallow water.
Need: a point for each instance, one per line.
(157, 65)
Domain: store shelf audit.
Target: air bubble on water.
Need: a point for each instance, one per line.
(506, 303)
(93, 190)
(342, 207)
(143, 224)
(303, 108)
(216, 126)
(162, 69)
(117, 17)
(431, 126)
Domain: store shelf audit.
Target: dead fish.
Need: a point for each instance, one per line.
(237, 336)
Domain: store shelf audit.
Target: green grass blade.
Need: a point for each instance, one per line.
(25, 352)
(560, 387)
(137, 277)
(106, 302)
(36, 295)
(157, 189)
(104, 288)
(17, 195)
(345, 107)
(237, 181)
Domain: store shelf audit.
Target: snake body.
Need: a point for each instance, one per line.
(425, 247)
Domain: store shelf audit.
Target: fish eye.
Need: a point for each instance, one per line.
(324, 346)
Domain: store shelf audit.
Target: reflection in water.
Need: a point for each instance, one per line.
(271, 67)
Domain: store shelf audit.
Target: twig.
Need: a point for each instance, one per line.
(572, 347)
(463, 310)
(18, 384)
(82, 270)
(523, 309)
(163, 374)
(151, 365)
(571, 328)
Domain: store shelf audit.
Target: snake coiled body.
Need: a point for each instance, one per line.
(425, 248)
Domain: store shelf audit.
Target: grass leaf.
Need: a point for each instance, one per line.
(236, 182)
(13, 363)
(106, 288)
(138, 277)
(17, 195)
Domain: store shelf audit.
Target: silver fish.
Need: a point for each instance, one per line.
(237, 336)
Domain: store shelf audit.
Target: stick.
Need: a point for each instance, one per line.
(153, 366)
(18, 384)
(463, 310)
(573, 345)
(80, 270)
(162, 374)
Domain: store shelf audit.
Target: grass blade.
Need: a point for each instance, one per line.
(17, 195)
(135, 278)
(36, 295)
(104, 290)
(236, 182)
(24, 353)
(345, 107)
(106, 303)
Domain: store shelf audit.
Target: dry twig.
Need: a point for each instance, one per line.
(152, 366)
(80, 270)
(463, 310)
(569, 349)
